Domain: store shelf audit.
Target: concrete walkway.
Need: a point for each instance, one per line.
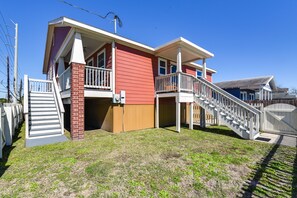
(287, 140)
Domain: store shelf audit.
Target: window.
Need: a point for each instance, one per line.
(252, 96)
(243, 95)
(91, 62)
(198, 73)
(173, 68)
(101, 59)
(162, 67)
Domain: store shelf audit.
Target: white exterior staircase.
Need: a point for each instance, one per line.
(228, 110)
(239, 116)
(44, 112)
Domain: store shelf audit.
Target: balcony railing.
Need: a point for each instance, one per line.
(98, 77)
(95, 78)
(173, 82)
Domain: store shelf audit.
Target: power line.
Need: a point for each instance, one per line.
(115, 16)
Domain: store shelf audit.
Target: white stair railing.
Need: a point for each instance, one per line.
(59, 104)
(26, 104)
(42, 86)
(235, 108)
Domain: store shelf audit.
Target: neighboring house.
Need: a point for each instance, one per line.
(283, 93)
(258, 88)
(100, 80)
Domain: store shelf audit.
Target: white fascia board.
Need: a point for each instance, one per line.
(49, 37)
(70, 22)
(198, 66)
(184, 42)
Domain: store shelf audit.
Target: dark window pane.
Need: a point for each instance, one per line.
(162, 71)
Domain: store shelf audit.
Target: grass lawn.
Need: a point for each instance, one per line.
(150, 163)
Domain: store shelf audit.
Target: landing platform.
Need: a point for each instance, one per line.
(46, 140)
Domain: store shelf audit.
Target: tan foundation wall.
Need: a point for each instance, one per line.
(98, 113)
(132, 117)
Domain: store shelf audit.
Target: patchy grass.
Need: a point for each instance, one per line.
(150, 163)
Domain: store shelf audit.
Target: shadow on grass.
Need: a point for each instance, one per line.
(7, 150)
(218, 131)
(274, 176)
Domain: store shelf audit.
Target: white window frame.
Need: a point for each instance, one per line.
(242, 94)
(200, 71)
(252, 96)
(171, 65)
(101, 52)
(91, 60)
(159, 66)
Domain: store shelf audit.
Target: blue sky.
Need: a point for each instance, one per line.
(248, 37)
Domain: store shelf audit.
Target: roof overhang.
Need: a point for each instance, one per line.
(190, 51)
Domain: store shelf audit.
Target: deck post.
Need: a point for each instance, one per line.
(157, 112)
(177, 114)
(202, 118)
(204, 68)
(191, 116)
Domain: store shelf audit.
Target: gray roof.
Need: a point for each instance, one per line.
(248, 83)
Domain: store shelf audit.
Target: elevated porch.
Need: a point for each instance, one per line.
(97, 83)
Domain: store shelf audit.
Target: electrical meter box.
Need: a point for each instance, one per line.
(123, 97)
(116, 98)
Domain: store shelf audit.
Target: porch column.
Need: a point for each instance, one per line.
(77, 110)
(157, 112)
(177, 115)
(204, 68)
(191, 116)
(113, 54)
(179, 60)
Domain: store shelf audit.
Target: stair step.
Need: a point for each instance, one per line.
(43, 113)
(44, 127)
(41, 98)
(229, 118)
(44, 121)
(44, 117)
(206, 102)
(211, 106)
(45, 132)
(234, 122)
(241, 127)
(37, 105)
(201, 98)
(41, 102)
(223, 114)
(45, 109)
(43, 94)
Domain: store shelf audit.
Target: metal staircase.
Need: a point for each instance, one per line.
(229, 110)
(44, 112)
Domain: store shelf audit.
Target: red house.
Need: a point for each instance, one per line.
(110, 82)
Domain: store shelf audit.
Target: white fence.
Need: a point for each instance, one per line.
(11, 118)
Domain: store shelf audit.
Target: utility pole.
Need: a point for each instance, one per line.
(15, 75)
(8, 81)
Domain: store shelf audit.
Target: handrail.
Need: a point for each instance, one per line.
(100, 68)
(230, 96)
(59, 103)
(26, 104)
(37, 80)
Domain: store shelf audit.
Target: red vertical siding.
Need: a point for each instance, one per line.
(135, 75)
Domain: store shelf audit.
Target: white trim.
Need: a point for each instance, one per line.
(252, 95)
(171, 65)
(77, 52)
(198, 66)
(91, 60)
(67, 21)
(113, 65)
(162, 59)
(97, 94)
(244, 93)
(98, 54)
